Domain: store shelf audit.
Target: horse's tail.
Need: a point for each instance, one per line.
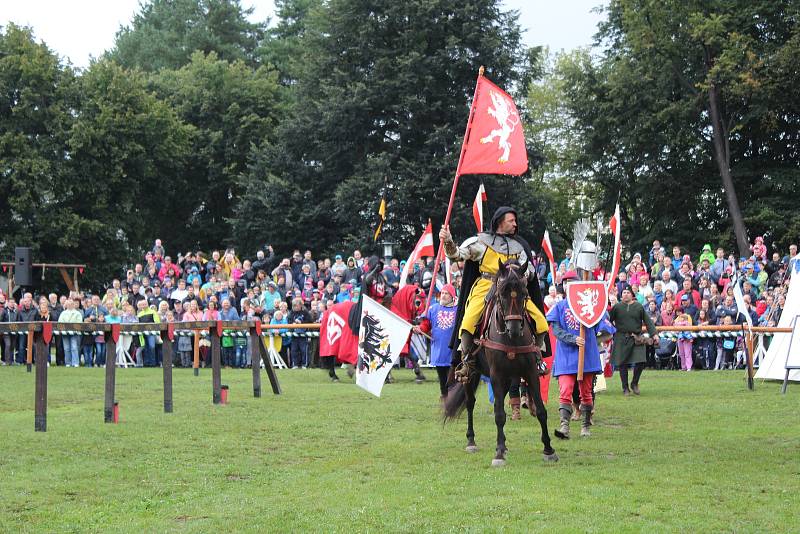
(455, 402)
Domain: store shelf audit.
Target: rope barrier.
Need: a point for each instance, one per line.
(184, 333)
(694, 335)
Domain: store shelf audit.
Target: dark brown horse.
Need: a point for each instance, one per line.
(507, 351)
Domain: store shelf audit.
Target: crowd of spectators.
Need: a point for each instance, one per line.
(678, 290)
(194, 286)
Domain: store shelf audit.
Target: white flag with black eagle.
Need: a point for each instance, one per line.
(381, 337)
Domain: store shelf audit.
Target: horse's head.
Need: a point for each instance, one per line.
(511, 293)
(408, 302)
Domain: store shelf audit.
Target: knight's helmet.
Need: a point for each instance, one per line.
(585, 259)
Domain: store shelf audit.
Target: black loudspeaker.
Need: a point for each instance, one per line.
(23, 271)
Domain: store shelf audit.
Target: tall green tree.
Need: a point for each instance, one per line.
(37, 95)
(383, 98)
(165, 33)
(553, 132)
(233, 109)
(127, 151)
(719, 54)
(283, 45)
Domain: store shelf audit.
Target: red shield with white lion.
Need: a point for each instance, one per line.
(587, 301)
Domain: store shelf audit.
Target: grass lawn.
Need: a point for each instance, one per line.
(696, 452)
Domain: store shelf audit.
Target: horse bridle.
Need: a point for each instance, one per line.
(514, 311)
(499, 317)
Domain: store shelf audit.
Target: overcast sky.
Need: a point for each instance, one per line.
(78, 29)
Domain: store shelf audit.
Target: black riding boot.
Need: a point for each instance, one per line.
(586, 412)
(565, 412)
(467, 368)
(623, 376)
(637, 374)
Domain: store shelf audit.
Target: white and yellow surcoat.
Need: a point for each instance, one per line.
(488, 250)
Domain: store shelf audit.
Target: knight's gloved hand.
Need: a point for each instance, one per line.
(539, 339)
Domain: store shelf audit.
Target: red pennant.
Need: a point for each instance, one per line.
(80, 269)
(258, 327)
(47, 332)
(495, 143)
(171, 331)
(5, 268)
(424, 248)
(219, 328)
(116, 328)
(477, 207)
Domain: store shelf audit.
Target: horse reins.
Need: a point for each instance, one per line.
(514, 314)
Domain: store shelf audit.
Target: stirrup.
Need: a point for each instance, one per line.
(463, 372)
(543, 369)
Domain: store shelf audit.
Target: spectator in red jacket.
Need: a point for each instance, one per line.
(169, 269)
(690, 291)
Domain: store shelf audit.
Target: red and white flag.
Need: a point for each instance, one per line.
(615, 225)
(495, 143)
(547, 247)
(424, 248)
(477, 207)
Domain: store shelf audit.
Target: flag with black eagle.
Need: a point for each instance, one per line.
(381, 337)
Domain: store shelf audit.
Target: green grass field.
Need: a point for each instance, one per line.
(696, 452)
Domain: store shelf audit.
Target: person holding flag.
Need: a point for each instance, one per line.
(439, 322)
(567, 331)
(482, 255)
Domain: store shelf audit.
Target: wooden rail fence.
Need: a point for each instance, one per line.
(40, 334)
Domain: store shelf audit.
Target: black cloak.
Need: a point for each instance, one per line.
(374, 273)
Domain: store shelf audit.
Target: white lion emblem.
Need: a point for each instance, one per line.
(587, 300)
(507, 119)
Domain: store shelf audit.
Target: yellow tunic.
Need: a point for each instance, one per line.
(476, 301)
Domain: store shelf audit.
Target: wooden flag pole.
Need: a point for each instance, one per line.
(446, 223)
(582, 348)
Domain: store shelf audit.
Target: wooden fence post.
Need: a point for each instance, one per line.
(111, 370)
(196, 355)
(42, 356)
(216, 378)
(166, 365)
(255, 357)
(29, 348)
(273, 378)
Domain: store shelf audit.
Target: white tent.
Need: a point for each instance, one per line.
(774, 362)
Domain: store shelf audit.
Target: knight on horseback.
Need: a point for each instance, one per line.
(482, 254)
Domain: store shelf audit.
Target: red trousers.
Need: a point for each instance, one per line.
(566, 383)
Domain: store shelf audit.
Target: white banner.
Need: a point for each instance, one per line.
(741, 305)
(381, 337)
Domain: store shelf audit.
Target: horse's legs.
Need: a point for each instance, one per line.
(541, 414)
(500, 385)
(471, 387)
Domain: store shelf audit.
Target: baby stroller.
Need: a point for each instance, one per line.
(667, 354)
(705, 353)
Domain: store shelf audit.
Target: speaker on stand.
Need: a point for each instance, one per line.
(23, 270)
